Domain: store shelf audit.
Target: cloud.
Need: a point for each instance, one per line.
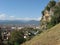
(6, 17)
(2, 16)
(27, 18)
(39, 18)
(11, 18)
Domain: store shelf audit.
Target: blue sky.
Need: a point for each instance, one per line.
(21, 9)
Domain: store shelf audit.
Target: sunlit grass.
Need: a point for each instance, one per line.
(49, 37)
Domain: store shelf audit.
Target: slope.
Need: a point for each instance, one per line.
(49, 37)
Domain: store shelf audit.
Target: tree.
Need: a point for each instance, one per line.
(43, 12)
(52, 3)
(17, 37)
(0, 37)
(57, 13)
(0, 33)
(47, 8)
(55, 19)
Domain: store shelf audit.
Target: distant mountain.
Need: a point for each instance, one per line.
(33, 22)
(19, 22)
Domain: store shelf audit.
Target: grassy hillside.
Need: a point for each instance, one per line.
(49, 37)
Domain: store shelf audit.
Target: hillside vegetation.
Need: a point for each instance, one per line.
(49, 37)
(50, 15)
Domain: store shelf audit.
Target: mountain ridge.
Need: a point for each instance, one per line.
(19, 22)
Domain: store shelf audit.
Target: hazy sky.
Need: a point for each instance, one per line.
(21, 9)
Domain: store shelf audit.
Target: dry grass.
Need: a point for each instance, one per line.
(49, 37)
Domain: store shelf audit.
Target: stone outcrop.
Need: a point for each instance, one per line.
(46, 18)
